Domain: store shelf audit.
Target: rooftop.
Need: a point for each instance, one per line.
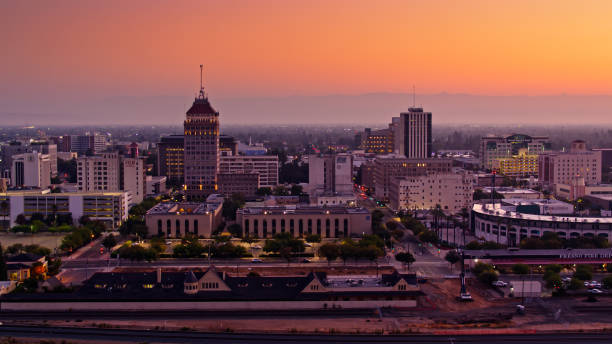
(498, 210)
(185, 208)
(302, 209)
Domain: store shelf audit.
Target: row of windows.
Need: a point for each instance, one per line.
(300, 224)
(177, 228)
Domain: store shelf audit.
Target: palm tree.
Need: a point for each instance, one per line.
(437, 214)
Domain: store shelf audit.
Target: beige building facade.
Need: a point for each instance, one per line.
(452, 191)
(175, 220)
(328, 222)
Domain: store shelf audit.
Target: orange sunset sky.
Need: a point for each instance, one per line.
(58, 53)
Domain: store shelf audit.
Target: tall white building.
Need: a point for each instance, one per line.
(133, 178)
(452, 191)
(265, 165)
(110, 172)
(330, 173)
(98, 172)
(414, 133)
(31, 170)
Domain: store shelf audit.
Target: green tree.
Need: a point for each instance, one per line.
(235, 230)
(428, 236)
(520, 269)
(391, 225)
(280, 190)
(330, 251)
(264, 191)
(109, 242)
(481, 267)
(21, 220)
(452, 257)
(552, 280)
(315, 238)
(406, 258)
(583, 272)
(575, 284)
(3, 271)
(296, 190)
(487, 277)
(607, 282)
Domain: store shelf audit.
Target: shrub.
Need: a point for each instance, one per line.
(583, 272)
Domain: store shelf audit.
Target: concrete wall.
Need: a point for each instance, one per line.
(190, 305)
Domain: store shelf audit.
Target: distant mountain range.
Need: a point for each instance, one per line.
(332, 109)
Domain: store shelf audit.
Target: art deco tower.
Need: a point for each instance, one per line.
(201, 147)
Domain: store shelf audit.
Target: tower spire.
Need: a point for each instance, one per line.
(202, 95)
(413, 96)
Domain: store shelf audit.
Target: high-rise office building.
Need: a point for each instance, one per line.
(201, 129)
(87, 144)
(50, 149)
(414, 132)
(171, 159)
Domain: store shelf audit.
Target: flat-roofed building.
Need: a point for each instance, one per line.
(452, 191)
(385, 168)
(175, 220)
(520, 165)
(509, 192)
(510, 221)
(328, 222)
(238, 183)
(108, 207)
(264, 165)
(171, 158)
(565, 167)
(502, 147)
(31, 170)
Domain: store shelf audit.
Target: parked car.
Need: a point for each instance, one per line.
(500, 284)
(305, 260)
(256, 260)
(307, 244)
(257, 247)
(566, 279)
(595, 291)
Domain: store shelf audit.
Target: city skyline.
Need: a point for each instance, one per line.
(111, 59)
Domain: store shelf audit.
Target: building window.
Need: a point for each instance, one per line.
(246, 226)
(346, 229)
(282, 225)
(256, 227)
(178, 228)
(336, 228)
(309, 226)
(301, 227)
(273, 226)
(265, 228)
(291, 227)
(186, 226)
(195, 227)
(319, 226)
(327, 229)
(160, 231)
(168, 228)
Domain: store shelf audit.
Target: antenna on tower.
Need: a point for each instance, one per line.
(413, 96)
(201, 83)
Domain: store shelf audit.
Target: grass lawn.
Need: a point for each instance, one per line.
(50, 241)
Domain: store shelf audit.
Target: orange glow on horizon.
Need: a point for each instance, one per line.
(271, 48)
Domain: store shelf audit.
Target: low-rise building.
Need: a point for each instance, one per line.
(578, 189)
(452, 191)
(19, 266)
(175, 220)
(508, 222)
(216, 290)
(328, 222)
(509, 192)
(108, 207)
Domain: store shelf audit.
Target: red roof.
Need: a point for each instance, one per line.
(201, 106)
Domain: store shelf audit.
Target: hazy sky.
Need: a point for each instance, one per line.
(63, 60)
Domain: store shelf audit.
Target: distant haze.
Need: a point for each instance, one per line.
(332, 109)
